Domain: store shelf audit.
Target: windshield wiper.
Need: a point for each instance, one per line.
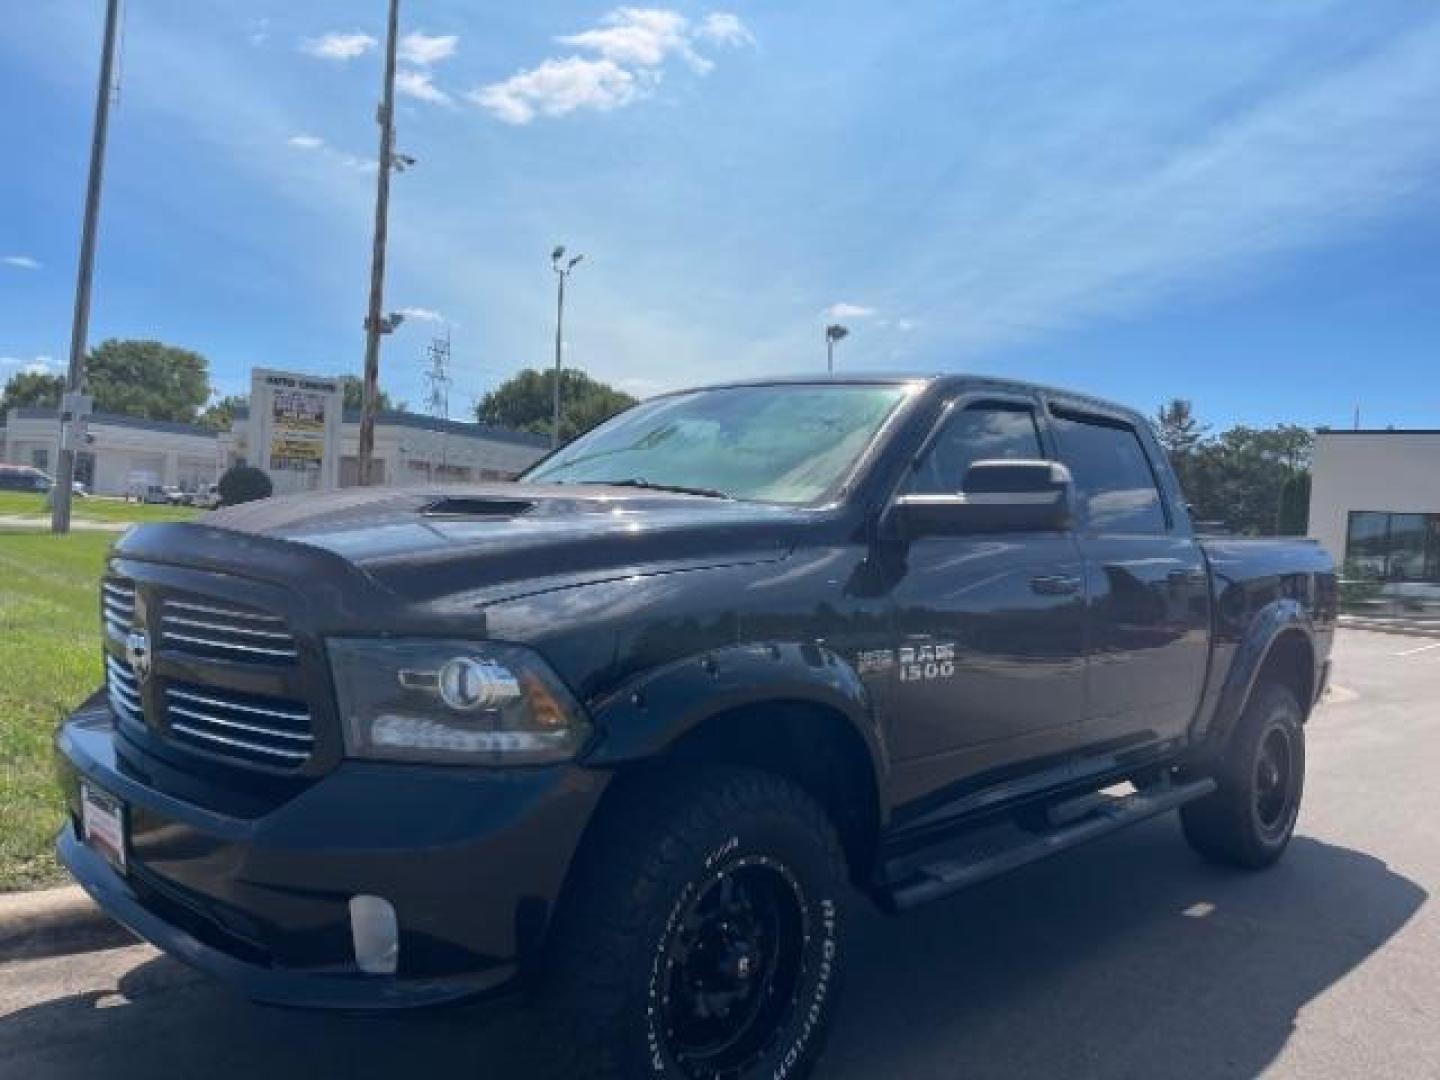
(641, 482)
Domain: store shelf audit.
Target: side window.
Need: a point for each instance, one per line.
(1114, 483)
(981, 432)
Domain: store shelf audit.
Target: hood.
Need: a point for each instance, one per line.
(487, 542)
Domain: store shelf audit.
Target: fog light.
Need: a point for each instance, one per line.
(375, 933)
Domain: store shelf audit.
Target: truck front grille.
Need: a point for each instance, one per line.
(269, 731)
(216, 678)
(225, 630)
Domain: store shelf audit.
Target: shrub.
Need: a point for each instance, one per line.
(242, 484)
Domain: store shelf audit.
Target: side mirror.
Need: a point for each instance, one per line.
(998, 496)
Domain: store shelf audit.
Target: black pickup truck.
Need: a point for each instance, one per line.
(629, 734)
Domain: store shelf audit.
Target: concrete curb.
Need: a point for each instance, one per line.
(52, 922)
(1389, 626)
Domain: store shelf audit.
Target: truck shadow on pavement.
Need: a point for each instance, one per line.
(1130, 958)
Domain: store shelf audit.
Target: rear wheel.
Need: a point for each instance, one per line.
(1249, 819)
(701, 937)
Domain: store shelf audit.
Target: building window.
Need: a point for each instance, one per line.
(1393, 547)
(40, 458)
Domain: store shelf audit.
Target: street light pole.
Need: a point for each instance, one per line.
(80, 325)
(375, 324)
(562, 271)
(833, 333)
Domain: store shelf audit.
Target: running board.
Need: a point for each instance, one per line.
(1000, 850)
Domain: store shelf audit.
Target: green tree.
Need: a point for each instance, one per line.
(525, 402)
(1182, 436)
(147, 379)
(1244, 476)
(221, 414)
(355, 394)
(31, 389)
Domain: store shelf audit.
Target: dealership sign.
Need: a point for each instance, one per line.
(295, 428)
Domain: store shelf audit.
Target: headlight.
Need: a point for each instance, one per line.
(453, 701)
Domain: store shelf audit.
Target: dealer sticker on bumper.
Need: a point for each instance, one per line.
(103, 819)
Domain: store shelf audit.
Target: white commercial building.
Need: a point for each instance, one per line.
(124, 453)
(1375, 506)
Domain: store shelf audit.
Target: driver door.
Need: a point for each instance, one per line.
(989, 629)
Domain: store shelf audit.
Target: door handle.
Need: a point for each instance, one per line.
(1055, 585)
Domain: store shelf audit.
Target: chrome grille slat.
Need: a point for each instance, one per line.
(254, 729)
(217, 628)
(295, 756)
(202, 699)
(235, 646)
(222, 720)
(178, 620)
(234, 613)
(117, 604)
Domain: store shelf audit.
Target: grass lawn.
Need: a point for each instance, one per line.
(49, 662)
(25, 504)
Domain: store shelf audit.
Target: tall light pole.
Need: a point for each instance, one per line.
(80, 325)
(833, 333)
(375, 323)
(562, 271)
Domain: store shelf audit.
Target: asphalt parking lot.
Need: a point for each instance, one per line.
(1129, 958)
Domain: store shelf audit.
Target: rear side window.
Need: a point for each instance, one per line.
(1114, 484)
(982, 432)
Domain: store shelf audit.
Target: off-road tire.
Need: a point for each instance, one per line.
(1249, 819)
(652, 860)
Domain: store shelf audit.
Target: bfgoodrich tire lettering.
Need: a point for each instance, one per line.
(702, 937)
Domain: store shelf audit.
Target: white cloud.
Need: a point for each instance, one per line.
(843, 310)
(259, 31)
(420, 314)
(23, 262)
(41, 365)
(627, 54)
(314, 143)
(426, 49)
(724, 28)
(339, 46)
(558, 87)
(420, 85)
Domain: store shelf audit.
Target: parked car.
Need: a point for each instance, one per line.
(153, 494)
(207, 496)
(627, 732)
(24, 478)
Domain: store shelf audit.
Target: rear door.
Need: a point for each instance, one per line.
(1147, 586)
(989, 664)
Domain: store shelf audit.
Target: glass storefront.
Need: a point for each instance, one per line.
(1393, 547)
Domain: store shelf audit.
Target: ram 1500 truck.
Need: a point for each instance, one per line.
(629, 734)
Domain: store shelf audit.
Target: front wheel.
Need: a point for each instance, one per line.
(1249, 819)
(701, 938)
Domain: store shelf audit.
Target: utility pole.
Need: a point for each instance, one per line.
(80, 326)
(833, 333)
(375, 323)
(562, 271)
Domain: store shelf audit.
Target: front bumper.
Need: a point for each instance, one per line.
(473, 861)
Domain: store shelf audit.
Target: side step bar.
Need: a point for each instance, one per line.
(997, 851)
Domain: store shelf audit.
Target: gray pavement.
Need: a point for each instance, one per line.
(1129, 958)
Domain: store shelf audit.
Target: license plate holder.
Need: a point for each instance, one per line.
(102, 819)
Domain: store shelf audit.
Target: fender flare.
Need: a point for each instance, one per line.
(650, 713)
(1275, 619)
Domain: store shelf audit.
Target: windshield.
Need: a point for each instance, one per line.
(776, 443)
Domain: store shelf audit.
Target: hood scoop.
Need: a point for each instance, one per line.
(462, 507)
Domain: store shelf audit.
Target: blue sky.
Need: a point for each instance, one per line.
(1232, 202)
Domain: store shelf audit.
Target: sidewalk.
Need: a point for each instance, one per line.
(18, 521)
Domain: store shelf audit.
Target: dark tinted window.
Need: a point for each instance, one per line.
(1114, 484)
(979, 433)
